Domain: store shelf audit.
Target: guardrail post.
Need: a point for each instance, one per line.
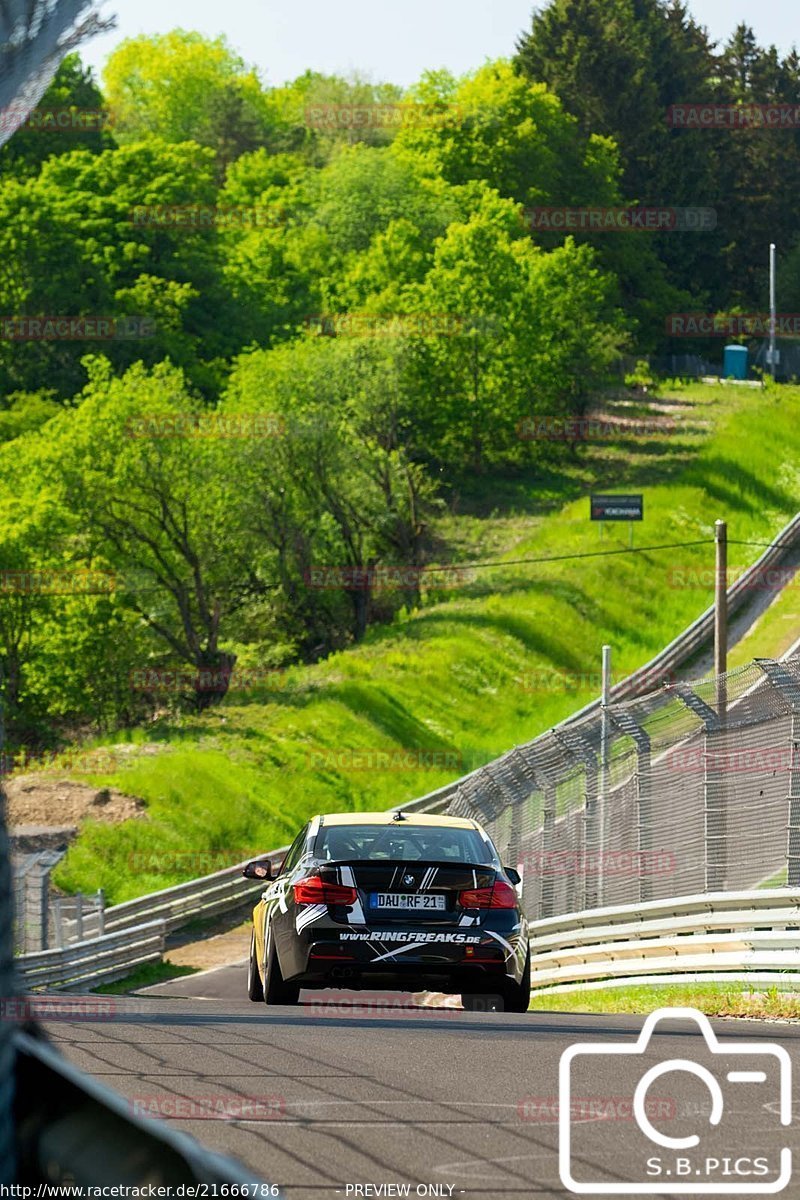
(716, 849)
(58, 922)
(788, 688)
(605, 760)
(21, 883)
(101, 912)
(581, 749)
(505, 798)
(644, 798)
(42, 901)
(515, 837)
(79, 917)
(525, 785)
(547, 901)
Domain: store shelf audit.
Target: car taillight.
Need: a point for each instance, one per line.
(500, 895)
(484, 954)
(315, 890)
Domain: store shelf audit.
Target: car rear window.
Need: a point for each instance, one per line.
(408, 843)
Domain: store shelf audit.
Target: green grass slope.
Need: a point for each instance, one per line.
(475, 670)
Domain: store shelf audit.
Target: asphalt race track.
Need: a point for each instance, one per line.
(373, 1090)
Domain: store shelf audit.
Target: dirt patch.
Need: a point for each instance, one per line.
(34, 839)
(36, 800)
(219, 950)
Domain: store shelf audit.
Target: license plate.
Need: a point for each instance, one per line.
(403, 901)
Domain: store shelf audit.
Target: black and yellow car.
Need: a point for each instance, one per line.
(391, 901)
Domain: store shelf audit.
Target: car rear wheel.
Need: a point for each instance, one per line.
(255, 988)
(517, 996)
(276, 990)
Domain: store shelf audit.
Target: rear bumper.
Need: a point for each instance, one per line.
(454, 960)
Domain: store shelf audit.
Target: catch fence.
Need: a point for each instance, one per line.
(694, 788)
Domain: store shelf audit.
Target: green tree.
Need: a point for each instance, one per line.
(23, 412)
(181, 86)
(83, 238)
(532, 333)
(761, 170)
(338, 489)
(316, 114)
(272, 268)
(517, 137)
(67, 643)
(514, 135)
(364, 188)
(151, 488)
(617, 65)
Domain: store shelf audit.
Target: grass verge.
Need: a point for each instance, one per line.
(716, 1000)
(775, 631)
(145, 976)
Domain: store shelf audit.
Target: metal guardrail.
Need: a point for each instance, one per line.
(198, 898)
(97, 960)
(134, 932)
(751, 935)
(73, 917)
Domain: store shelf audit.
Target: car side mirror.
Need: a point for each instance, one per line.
(258, 870)
(514, 875)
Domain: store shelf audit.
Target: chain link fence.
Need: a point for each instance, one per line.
(692, 788)
(669, 366)
(30, 876)
(43, 919)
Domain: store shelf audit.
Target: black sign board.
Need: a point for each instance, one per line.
(617, 508)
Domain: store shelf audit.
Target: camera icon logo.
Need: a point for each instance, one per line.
(672, 1165)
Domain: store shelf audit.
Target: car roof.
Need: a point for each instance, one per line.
(387, 818)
